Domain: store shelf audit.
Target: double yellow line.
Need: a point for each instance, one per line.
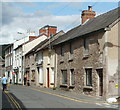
(65, 97)
(13, 101)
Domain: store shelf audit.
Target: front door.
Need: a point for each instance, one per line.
(100, 81)
(17, 78)
(48, 78)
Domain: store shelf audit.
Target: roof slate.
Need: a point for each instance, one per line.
(98, 23)
(44, 44)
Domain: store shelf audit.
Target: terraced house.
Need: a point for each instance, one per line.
(39, 61)
(9, 62)
(87, 55)
(47, 68)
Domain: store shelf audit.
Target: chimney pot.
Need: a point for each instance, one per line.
(90, 8)
(88, 14)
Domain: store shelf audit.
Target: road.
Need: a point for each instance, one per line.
(29, 97)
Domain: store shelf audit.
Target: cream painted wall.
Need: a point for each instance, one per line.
(112, 61)
(48, 62)
(113, 50)
(27, 47)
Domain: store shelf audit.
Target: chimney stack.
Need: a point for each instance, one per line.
(48, 30)
(88, 14)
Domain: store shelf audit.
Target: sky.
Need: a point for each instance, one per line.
(31, 16)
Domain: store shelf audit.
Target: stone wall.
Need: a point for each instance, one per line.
(79, 62)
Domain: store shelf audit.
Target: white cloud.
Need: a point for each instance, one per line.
(15, 20)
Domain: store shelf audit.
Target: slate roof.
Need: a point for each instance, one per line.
(44, 44)
(98, 23)
(37, 46)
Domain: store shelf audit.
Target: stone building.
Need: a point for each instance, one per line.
(87, 56)
(47, 68)
(34, 59)
(2, 59)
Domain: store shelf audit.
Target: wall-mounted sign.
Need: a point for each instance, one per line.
(116, 85)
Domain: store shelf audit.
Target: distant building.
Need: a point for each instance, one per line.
(9, 62)
(18, 51)
(2, 59)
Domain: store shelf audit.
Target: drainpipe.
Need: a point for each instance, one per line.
(106, 80)
(55, 73)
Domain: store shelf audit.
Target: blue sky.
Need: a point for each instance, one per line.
(66, 8)
(31, 16)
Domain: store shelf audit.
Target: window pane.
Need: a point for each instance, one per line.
(88, 77)
(72, 77)
(64, 76)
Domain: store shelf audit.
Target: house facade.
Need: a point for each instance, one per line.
(30, 62)
(48, 67)
(2, 59)
(34, 60)
(2, 67)
(9, 62)
(39, 68)
(18, 57)
(30, 68)
(87, 57)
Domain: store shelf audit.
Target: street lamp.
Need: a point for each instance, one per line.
(23, 60)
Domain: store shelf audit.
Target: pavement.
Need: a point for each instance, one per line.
(76, 96)
(71, 94)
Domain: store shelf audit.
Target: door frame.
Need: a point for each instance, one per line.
(100, 85)
(48, 77)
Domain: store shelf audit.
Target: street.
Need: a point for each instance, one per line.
(29, 97)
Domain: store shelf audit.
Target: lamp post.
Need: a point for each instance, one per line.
(23, 58)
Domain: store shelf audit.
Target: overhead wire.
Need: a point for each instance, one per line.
(56, 13)
(59, 11)
(94, 4)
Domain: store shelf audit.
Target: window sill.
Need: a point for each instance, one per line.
(39, 65)
(85, 56)
(61, 61)
(70, 59)
(40, 83)
(51, 83)
(88, 87)
(71, 86)
(64, 85)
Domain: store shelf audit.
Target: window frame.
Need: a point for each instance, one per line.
(88, 77)
(65, 78)
(72, 77)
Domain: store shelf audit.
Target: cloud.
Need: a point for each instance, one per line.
(9, 12)
(15, 20)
